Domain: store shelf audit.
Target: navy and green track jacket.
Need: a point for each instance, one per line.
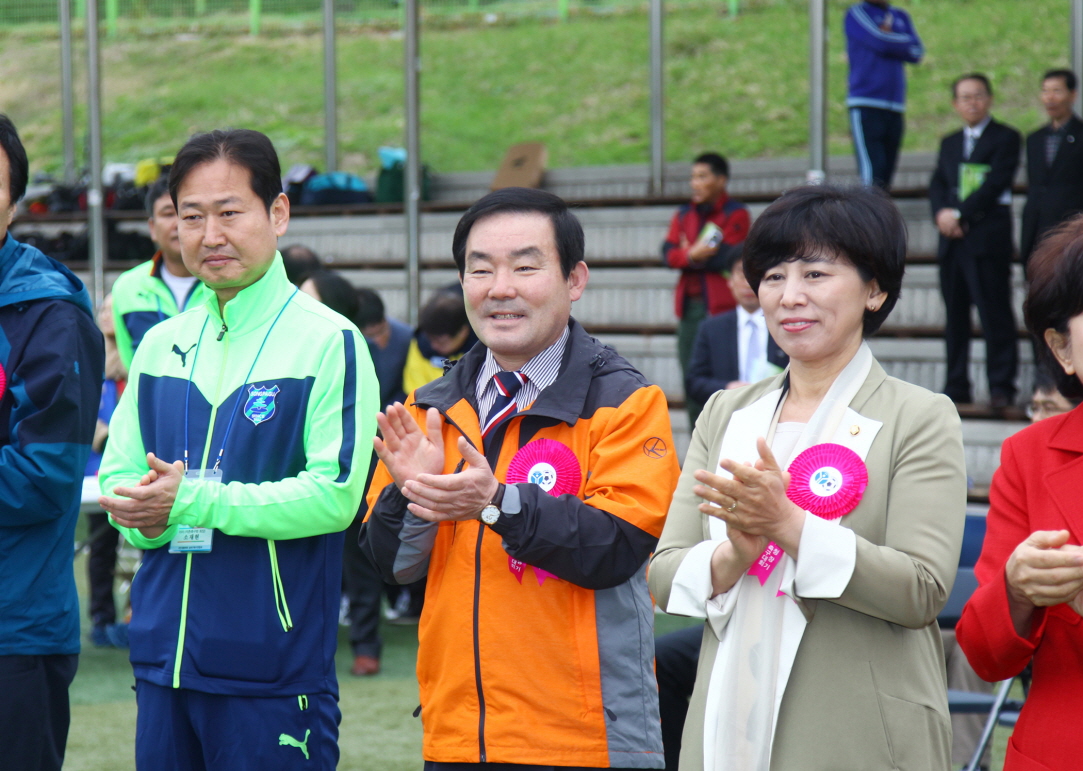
(52, 355)
(258, 615)
(142, 299)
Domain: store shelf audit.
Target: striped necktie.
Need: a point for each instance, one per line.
(507, 385)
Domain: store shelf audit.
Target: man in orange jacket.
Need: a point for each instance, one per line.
(530, 484)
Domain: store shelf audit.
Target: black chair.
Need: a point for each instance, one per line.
(998, 706)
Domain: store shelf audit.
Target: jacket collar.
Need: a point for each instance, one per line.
(1069, 434)
(712, 209)
(563, 400)
(255, 305)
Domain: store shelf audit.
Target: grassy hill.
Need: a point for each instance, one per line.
(738, 85)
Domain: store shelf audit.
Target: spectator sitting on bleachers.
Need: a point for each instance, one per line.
(334, 291)
(701, 237)
(733, 349)
(443, 334)
(1047, 401)
(299, 261)
(389, 342)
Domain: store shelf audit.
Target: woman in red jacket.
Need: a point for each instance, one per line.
(1028, 606)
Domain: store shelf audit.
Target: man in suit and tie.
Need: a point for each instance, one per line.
(1054, 163)
(970, 193)
(733, 349)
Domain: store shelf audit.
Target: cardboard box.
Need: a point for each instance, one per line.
(523, 166)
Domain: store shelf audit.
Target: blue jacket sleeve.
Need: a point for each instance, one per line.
(904, 44)
(54, 375)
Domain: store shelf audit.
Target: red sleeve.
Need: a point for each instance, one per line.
(985, 631)
(736, 228)
(672, 253)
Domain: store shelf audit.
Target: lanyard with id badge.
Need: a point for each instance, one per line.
(200, 540)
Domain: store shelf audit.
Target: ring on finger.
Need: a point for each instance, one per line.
(732, 507)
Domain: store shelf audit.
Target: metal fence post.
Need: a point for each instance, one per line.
(330, 95)
(111, 13)
(67, 99)
(412, 186)
(817, 75)
(1075, 41)
(657, 87)
(255, 9)
(95, 213)
(562, 9)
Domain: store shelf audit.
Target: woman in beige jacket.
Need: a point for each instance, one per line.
(826, 658)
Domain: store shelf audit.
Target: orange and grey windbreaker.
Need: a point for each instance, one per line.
(516, 667)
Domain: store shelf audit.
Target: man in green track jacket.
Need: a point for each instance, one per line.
(159, 288)
(238, 454)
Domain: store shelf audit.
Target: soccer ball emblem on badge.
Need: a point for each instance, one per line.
(543, 475)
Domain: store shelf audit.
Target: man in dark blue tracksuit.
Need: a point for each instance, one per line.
(51, 359)
(879, 40)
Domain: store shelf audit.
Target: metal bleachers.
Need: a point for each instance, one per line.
(629, 302)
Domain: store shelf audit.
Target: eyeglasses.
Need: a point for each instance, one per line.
(1039, 409)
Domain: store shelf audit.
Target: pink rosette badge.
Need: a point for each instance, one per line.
(826, 479)
(554, 468)
(3, 382)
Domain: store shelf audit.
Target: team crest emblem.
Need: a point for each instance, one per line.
(261, 404)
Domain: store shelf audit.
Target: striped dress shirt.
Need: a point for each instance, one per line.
(540, 371)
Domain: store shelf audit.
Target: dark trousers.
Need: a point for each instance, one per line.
(432, 765)
(695, 311)
(877, 135)
(676, 656)
(101, 568)
(364, 588)
(34, 710)
(970, 278)
(181, 730)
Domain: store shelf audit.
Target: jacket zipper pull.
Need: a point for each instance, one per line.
(223, 331)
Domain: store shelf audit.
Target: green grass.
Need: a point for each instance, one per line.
(378, 730)
(736, 85)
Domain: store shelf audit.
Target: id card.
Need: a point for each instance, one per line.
(195, 540)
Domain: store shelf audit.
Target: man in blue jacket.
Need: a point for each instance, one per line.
(51, 360)
(879, 40)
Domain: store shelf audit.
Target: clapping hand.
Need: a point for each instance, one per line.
(405, 449)
(754, 501)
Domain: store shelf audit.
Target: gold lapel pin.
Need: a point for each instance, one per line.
(855, 430)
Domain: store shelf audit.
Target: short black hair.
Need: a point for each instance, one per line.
(443, 314)
(972, 76)
(858, 224)
(1067, 75)
(336, 292)
(567, 230)
(18, 165)
(156, 190)
(370, 308)
(246, 148)
(300, 262)
(1055, 295)
(718, 163)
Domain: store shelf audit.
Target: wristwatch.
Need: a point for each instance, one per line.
(491, 513)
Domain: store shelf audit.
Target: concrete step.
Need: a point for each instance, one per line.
(916, 361)
(981, 444)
